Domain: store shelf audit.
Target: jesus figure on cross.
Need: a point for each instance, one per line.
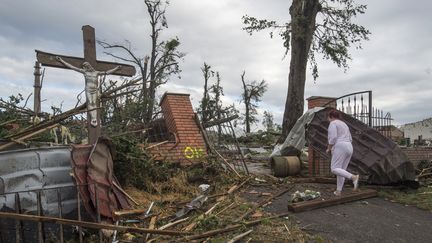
(91, 86)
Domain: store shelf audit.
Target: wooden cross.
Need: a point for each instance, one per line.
(50, 60)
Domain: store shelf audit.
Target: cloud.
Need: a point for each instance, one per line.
(395, 63)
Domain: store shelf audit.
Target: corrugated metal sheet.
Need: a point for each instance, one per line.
(34, 169)
(375, 156)
(94, 166)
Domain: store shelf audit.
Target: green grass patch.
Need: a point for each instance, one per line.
(421, 198)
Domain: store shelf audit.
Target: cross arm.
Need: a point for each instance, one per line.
(49, 60)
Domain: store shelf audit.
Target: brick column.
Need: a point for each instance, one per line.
(321, 165)
(180, 120)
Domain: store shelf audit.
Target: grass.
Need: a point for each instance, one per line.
(421, 198)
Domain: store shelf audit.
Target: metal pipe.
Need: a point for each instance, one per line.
(97, 211)
(18, 225)
(79, 215)
(370, 108)
(60, 212)
(41, 231)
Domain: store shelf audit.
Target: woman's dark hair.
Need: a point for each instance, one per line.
(334, 114)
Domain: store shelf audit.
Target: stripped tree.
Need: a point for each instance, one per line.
(156, 68)
(252, 94)
(330, 34)
(207, 73)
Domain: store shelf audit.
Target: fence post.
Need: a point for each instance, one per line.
(370, 108)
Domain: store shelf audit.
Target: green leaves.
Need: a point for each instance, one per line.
(335, 31)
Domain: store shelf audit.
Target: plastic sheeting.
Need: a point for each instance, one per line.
(296, 139)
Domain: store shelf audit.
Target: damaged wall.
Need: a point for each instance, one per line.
(189, 145)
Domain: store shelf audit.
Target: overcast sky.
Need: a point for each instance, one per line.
(395, 64)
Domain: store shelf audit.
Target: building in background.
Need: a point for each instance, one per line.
(419, 133)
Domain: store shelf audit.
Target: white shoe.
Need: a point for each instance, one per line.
(337, 193)
(356, 181)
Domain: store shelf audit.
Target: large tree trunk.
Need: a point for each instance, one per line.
(303, 14)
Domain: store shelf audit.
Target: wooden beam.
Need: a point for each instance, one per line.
(318, 203)
(88, 224)
(49, 60)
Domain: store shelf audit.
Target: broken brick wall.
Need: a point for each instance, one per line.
(318, 165)
(189, 146)
(418, 154)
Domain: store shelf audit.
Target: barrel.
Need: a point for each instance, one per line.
(284, 166)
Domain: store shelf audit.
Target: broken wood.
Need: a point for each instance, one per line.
(219, 121)
(129, 132)
(314, 204)
(7, 122)
(157, 144)
(46, 123)
(225, 209)
(151, 226)
(21, 139)
(227, 163)
(192, 225)
(264, 202)
(166, 226)
(125, 193)
(88, 224)
(231, 228)
(239, 237)
(230, 191)
(129, 212)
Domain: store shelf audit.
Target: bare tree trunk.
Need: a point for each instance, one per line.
(144, 89)
(246, 99)
(205, 100)
(152, 86)
(303, 15)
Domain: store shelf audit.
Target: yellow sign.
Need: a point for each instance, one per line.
(193, 153)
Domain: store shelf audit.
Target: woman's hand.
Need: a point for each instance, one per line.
(329, 148)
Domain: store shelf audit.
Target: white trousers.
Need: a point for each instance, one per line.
(341, 156)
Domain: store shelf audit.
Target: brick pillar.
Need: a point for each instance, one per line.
(180, 120)
(321, 166)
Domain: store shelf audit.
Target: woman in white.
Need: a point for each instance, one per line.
(339, 144)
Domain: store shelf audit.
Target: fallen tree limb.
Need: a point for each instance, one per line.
(54, 120)
(166, 226)
(21, 139)
(239, 237)
(124, 193)
(219, 121)
(151, 226)
(192, 225)
(157, 144)
(231, 228)
(88, 224)
(227, 163)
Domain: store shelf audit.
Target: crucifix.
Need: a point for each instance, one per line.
(91, 68)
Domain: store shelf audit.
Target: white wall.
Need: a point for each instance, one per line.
(414, 130)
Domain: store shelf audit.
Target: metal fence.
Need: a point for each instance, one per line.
(360, 106)
(220, 136)
(44, 223)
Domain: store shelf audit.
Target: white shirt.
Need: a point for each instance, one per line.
(338, 131)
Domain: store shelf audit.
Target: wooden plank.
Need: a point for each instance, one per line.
(49, 60)
(91, 225)
(314, 204)
(129, 212)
